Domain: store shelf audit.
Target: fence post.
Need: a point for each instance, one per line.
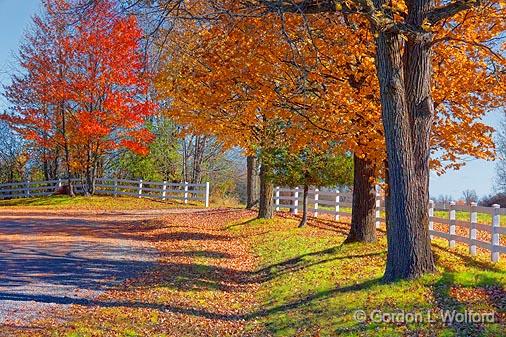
(276, 198)
(451, 240)
(115, 181)
(337, 205)
(431, 215)
(472, 228)
(186, 192)
(207, 194)
(58, 186)
(296, 201)
(496, 223)
(140, 188)
(164, 190)
(27, 188)
(316, 197)
(378, 207)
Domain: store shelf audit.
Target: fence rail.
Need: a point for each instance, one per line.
(112, 186)
(472, 232)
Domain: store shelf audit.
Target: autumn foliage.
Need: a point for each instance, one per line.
(233, 76)
(82, 92)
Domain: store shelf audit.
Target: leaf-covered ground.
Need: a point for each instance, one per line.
(64, 202)
(222, 273)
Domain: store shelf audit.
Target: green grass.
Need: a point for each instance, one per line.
(483, 218)
(91, 202)
(314, 284)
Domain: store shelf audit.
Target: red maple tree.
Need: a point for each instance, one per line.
(83, 91)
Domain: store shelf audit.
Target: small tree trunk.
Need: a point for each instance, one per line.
(87, 190)
(66, 150)
(46, 165)
(94, 178)
(363, 227)
(251, 199)
(184, 172)
(198, 158)
(304, 207)
(71, 187)
(69, 177)
(54, 167)
(266, 207)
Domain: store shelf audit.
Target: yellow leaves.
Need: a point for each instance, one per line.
(233, 80)
(400, 6)
(426, 25)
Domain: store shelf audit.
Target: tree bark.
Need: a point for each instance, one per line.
(251, 199)
(198, 158)
(304, 207)
(67, 152)
(88, 173)
(184, 172)
(363, 218)
(266, 207)
(409, 250)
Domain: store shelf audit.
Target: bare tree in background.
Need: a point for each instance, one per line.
(469, 196)
(445, 200)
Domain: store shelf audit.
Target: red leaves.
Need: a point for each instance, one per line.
(84, 84)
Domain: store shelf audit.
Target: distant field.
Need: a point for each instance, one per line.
(483, 218)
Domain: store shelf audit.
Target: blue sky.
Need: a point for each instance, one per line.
(15, 15)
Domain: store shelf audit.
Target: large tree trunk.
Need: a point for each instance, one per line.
(304, 207)
(266, 207)
(363, 218)
(251, 198)
(409, 250)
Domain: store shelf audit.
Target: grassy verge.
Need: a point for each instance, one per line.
(313, 285)
(91, 203)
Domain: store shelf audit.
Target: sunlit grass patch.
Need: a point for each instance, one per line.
(314, 284)
(92, 202)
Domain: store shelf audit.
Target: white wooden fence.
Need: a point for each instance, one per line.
(112, 186)
(470, 232)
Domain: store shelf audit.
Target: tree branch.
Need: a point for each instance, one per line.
(303, 6)
(444, 12)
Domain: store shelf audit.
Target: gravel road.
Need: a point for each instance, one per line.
(51, 259)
